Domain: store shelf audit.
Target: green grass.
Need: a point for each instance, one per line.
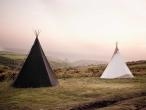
(12, 55)
(70, 92)
(76, 87)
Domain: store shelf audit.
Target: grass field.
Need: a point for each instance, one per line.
(80, 88)
(72, 93)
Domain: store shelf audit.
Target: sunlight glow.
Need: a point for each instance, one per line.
(76, 29)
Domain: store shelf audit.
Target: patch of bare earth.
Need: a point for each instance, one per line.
(135, 101)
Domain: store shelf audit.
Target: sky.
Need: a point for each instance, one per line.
(76, 29)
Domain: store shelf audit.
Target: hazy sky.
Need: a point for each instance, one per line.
(76, 29)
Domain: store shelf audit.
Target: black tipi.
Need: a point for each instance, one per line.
(36, 71)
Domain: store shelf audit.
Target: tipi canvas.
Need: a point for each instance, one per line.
(117, 68)
(36, 71)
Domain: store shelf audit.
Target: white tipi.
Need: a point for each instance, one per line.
(116, 68)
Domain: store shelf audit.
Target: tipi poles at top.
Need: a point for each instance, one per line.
(117, 46)
(37, 32)
(116, 49)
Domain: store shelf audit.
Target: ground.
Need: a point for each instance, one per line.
(83, 93)
(80, 88)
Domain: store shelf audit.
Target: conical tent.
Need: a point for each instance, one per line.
(36, 71)
(117, 68)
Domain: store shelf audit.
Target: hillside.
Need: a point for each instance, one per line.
(87, 62)
(19, 59)
(80, 88)
(55, 62)
(11, 64)
(85, 93)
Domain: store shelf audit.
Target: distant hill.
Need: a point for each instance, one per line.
(12, 55)
(87, 62)
(16, 50)
(11, 58)
(57, 63)
(137, 62)
(1, 49)
(11, 63)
